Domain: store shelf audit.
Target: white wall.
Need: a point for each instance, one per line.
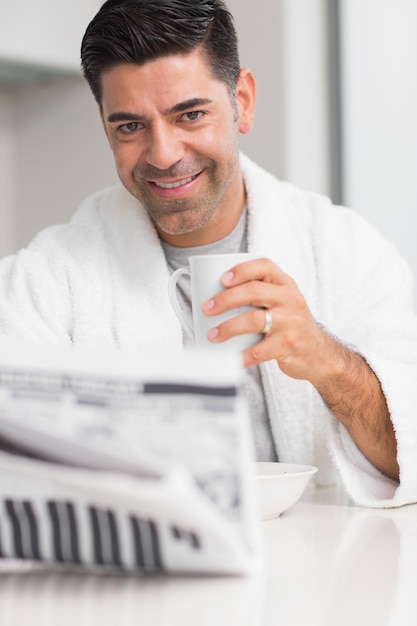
(305, 88)
(284, 44)
(62, 154)
(379, 72)
(263, 55)
(53, 153)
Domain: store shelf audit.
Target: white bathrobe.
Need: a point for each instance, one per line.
(101, 281)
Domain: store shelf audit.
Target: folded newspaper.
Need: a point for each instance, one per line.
(130, 463)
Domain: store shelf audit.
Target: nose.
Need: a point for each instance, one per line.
(165, 147)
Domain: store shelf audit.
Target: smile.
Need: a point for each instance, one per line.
(179, 183)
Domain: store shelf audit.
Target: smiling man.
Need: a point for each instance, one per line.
(332, 382)
(174, 133)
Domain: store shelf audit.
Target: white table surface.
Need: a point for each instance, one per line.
(327, 563)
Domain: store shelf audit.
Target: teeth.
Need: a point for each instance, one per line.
(174, 185)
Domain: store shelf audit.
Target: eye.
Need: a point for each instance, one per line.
(130, 127)
(192, 116)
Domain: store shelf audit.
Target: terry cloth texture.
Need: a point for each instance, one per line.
(101, 281)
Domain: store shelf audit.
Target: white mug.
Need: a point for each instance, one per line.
(205, 272)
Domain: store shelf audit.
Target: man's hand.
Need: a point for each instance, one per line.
(304, 350)
(294, 338)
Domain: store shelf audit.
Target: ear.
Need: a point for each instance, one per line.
(246, 100)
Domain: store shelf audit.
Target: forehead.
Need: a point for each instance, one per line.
(161, 82)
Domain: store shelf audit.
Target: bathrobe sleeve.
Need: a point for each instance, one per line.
(34, 296)
(377, 318)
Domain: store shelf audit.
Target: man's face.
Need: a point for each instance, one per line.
(174, 130)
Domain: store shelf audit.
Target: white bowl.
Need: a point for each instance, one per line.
(280, 485)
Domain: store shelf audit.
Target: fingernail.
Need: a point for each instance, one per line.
(228, 277)
(208, 306)
(212, 334)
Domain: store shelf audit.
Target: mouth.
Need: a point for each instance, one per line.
(176, 184)
(171, 190)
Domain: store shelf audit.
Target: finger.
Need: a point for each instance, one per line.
(264, 350)
(250, 322)
(254, 293)
(258, 269)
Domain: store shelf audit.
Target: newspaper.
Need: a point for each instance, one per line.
(131, 463)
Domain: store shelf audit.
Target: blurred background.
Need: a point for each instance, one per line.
(337, 103)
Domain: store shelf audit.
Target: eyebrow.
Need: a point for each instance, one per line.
(124, 116)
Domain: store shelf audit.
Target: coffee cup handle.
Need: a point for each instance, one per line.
(172, 292)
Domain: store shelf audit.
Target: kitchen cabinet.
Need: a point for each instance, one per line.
(41, 38)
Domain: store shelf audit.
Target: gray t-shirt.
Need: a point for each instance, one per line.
(236, 241)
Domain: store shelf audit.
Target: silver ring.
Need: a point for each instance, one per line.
(268, 323)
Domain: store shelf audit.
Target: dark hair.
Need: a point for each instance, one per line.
(137, 31)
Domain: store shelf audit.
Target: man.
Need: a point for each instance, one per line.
(332, 383)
